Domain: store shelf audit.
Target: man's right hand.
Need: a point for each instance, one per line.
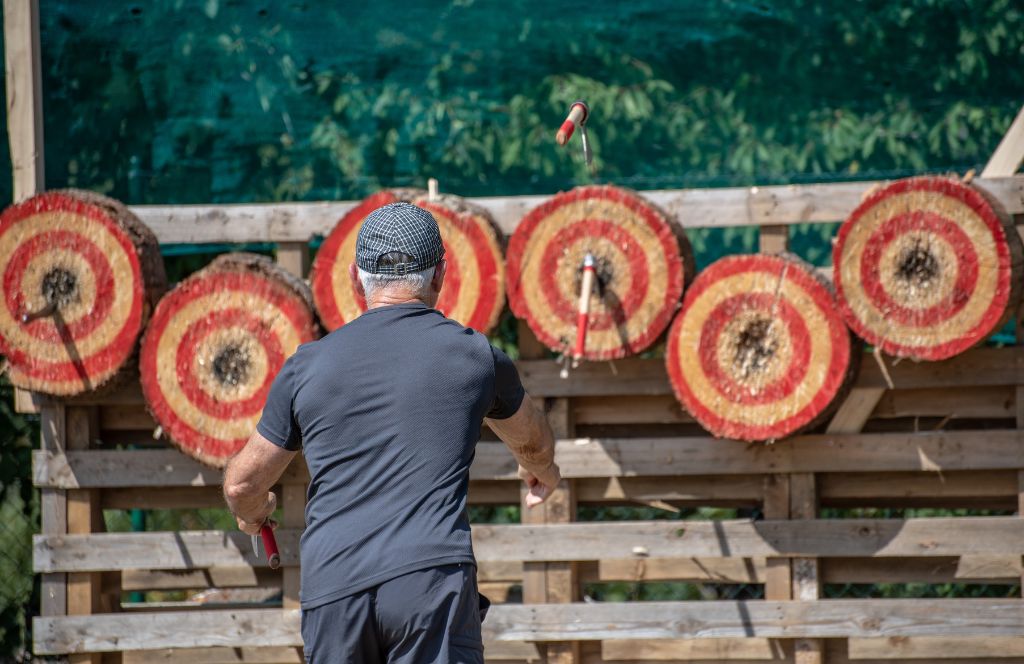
(540, 484)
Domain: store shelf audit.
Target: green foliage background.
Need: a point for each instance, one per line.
(190, 101)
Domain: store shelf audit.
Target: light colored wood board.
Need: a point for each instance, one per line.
(704, 490)
(695, 570)
(293, 498)
(53, 509)
(693, 208)
(646, 376)
(602, 458)
(855, 410)
(138, 468)
(937, 647)
(785, 619)
(23, 76)
(688, 649)
(662, 409)
(640, 376)
(627, 540)
(547, 622)
(493, 492)
(996, 402)
(157, 631)
(1009, 154)
(778, 572)
(241, 655)
(213, 577)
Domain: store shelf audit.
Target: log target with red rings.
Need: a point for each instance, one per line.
(926, 268)
(474, 288)
(642, 259)
(81, 275)
(213, 348)
(759, 351)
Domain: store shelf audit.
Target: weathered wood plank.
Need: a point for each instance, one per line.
(23, 74)
(937, 647)
(688, 649)
(934, 537)
(588, 457)
(694, 208)
(238, 655)
(647, 377)
(548, 622)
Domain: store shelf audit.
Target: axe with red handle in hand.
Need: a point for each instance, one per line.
(269, 544)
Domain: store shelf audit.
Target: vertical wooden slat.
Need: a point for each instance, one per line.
(805, 571)
(774, 239)
(294, 257)
(53, 511)
(84, 517)
(777, 582)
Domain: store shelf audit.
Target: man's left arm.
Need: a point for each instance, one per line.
(248, 478)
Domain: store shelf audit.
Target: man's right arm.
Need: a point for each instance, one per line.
(531, 441)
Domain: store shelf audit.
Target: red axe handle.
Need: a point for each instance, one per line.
(270, 546)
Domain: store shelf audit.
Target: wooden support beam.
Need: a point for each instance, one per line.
(23, 74)
(1009, 154)
(293, 497)
(693, 208)
(806, 573)
(938, 537)
(84, 517)
(886, 618)
(773, 239)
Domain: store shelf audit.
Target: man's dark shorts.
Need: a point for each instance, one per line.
(432, 615)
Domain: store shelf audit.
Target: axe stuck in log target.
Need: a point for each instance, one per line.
(213, 348)
(759, 351)
(474, 287)
(642, 262)
(81, 275)
(926, 268)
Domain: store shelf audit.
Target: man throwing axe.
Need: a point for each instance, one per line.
(387, 411)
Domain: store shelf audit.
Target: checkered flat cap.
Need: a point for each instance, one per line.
(401, 228)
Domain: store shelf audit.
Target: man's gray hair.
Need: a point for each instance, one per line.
(415, 283)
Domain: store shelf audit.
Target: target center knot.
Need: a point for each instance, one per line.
(231, 365)
(59, 287)
(917, 267)
(755, 347)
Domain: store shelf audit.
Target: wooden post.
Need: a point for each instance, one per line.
(805, 571)
(84, 516)
(24, 95)
(23, 71)
(774, 239)
(551, 582)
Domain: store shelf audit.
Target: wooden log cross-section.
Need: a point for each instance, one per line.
(81, 275)
(927, 267)
(214, 346)
(758, 351)
(643, 260)
(474, 287)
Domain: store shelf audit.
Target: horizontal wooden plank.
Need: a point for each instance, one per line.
(788, 619)
(211, 577)
(562, 622)
(240, 655)
(689, 649)
(938, 537)
(694, 208)
(936, 647)
(646, 376)
(581, 458)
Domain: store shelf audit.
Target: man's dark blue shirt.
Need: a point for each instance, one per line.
(387, 411)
